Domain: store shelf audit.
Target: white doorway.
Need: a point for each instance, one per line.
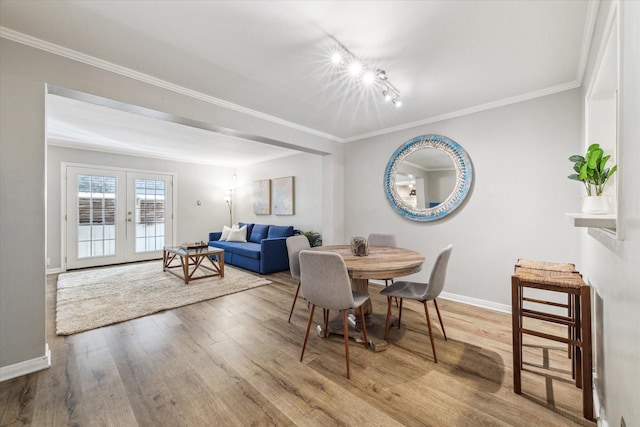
(112, 216)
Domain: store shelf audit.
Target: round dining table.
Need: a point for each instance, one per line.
(381, 263)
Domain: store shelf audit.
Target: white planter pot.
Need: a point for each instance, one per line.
(596, 205)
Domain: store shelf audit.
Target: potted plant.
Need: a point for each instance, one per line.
(315, 239)
(591, 169)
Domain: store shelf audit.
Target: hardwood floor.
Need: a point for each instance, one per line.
(235, 361)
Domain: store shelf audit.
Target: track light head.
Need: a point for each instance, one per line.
(336, 58)
(346, 61)
(381, 75)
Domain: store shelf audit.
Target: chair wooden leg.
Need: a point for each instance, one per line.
(364, 327)
(433, 345)
(584, 305)
(516, 331)
(386, 324)
(386, 283)
(346, 341)
(294, 302)
(306, 335)
(578, 359)
(400, 313)
(571, 328)
(325, 312)
(440, 319)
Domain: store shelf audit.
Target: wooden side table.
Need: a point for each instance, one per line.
(560, 278)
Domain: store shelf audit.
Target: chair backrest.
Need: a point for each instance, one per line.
(438, 274)
(379, 239)
(324, 280)
(295, 244)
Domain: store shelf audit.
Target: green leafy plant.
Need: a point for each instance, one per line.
(591, 169)
(315, 239)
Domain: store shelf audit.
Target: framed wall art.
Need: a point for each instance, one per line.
(283, 196)
(262, 197)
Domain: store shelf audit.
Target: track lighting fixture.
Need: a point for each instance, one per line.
(344, 59)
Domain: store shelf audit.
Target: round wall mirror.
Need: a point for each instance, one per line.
(428, 177)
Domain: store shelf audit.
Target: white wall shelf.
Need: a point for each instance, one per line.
(608, 221)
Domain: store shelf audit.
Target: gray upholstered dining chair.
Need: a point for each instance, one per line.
(422, 292)
(325, 283)
(388, 240)
(294, 245)
(380, 239)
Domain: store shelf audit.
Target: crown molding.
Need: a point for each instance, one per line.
(478, 108)
(136, 75)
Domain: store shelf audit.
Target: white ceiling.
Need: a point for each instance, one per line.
(73, 123)
(271, 57)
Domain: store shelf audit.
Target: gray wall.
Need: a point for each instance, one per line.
(517, 204)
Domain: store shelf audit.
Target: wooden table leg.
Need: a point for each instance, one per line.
(185, 268)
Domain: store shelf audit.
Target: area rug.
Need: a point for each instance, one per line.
(90, 299)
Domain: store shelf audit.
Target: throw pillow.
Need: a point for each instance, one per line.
(249, 227)
(238, 235)
(258, 233)
(225, 233)
(280, 231)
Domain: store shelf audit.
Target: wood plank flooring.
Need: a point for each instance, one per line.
(234, 361)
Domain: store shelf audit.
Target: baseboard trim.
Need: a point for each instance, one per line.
(489, 305)
(26, 367)
(599, 411)
(54, 270)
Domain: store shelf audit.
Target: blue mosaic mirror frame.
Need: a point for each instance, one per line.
(464, 177)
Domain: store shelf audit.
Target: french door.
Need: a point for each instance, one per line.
(116, 216)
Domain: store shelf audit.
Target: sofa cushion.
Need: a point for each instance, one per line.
(248, 249)
(258, 233)
(238, 234)
(280, 231)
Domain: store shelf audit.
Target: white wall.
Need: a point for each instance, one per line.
(609, 265)
(308, 188)
(440, 185)
(194, 182)
(517, 205)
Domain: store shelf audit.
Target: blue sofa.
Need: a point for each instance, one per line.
(264, 252)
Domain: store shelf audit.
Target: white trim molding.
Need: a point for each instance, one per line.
(489, 305)
(26, 367)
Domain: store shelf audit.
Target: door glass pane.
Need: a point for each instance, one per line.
(150, 214)
(96, 215)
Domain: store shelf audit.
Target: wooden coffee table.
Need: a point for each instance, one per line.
(191, 260)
